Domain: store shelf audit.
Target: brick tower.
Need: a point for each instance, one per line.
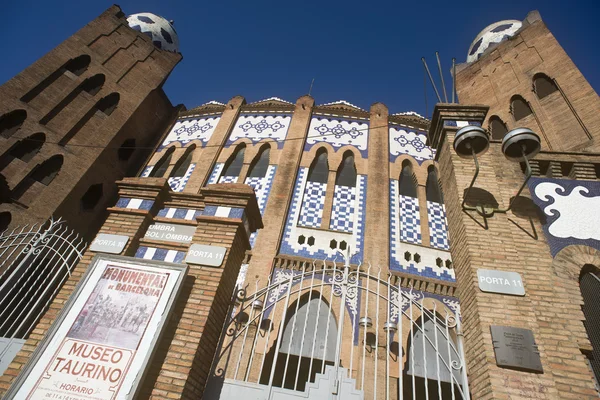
(72, 122)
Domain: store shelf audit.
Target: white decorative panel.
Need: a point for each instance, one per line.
(261, 126)
(405, 141)
(338, 133)
(184, 131)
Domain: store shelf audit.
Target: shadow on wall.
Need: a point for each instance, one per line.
(480, 197)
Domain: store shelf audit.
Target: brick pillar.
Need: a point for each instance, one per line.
(210, 153)
(282, 190)
(377, 234)
(503, 242)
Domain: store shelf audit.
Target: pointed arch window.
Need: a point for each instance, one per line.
(11, 122)
(589, 283)
(234, 165)
(93, 85)
(27, 148)
(430, 345)
(408, 184)
(497, 128)
(108, 104)
(182, 165)
(519, 108)
(43, 173)
(305, 348)
(161, 166)
(79, 65)
(543, 86)
(346, 174)
(432, 188)
(258, 169)
(319, 170)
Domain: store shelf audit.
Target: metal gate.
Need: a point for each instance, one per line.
(327, 332)
(34, 263)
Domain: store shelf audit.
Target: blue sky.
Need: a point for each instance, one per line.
(362, 52)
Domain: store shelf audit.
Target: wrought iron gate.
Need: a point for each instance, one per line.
(34, 263)
(329, 332)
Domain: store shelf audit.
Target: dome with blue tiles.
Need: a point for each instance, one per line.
(492, 35)
(160, 30)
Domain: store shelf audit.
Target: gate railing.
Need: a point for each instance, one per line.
(363, 328)
(34, 263)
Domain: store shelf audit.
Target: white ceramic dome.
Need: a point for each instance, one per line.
(492, 34)
(160, 30)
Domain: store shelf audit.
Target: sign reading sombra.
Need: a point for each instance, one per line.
(101, 344)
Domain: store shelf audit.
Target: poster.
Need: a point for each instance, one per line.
(101, 344)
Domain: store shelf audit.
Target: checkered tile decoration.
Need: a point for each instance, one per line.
(228, 179)
(153, 253)
(146, 171)
(178, 184)
(311, 213)
(179, 213)
(262, 187)
(216, 172)
(342, 212)
(438, 227)
(410, 221)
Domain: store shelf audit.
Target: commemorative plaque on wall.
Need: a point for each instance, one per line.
(516, 348)
(101, 344)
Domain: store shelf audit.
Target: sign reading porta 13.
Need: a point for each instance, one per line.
(103, 340)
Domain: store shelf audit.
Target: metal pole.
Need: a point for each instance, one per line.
(453, 78)
(437, 55)
(431, 79)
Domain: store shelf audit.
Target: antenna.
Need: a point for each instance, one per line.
(311, 85)
(453, 78)
(437, 55)
(431, 79)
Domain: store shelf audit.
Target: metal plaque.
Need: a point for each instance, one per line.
(107, 243)
(205, 255)
(494, 281)
(516, 348)
(170, 232)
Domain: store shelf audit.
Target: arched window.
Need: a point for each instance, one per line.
(78, 65)
(43, 173)
(182, 165)
(519, 108)
(497, 128)
(346, 174)
(434, 353)
(27, 148)
(589, 282)
(5, 219)
(94, 84)
(234, 165)
(126, 150)
(432, 188)
(408, 184)
(319, 170)
(108, 104)
(543, 86)
(11, 122)
(161, 166)
(92, 197)
(304, 344)
(260, 165)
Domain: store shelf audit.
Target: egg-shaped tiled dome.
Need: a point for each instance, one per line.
(492, 34)
(160, 30)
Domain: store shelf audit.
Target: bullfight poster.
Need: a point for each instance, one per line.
(101, 344)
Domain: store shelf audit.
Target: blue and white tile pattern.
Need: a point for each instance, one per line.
(158, 254)
(343, 210)
(178, 184)
(136, 204)
(438, 226)
(403, 140)
(410, 219)
(311, 213)
(179, 213)
(215, 174)
(338, 132)
(257, 127)
(186, 130)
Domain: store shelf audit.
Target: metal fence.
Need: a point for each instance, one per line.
(322, 331)
(35, 260)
